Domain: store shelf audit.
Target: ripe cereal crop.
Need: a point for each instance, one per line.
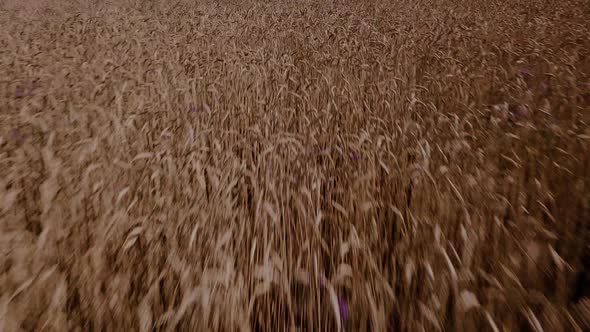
(282, 165)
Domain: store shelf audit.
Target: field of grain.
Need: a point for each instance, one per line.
(401, 165)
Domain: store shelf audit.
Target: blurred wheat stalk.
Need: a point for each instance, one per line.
(384, 166)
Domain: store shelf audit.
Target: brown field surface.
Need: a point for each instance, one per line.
(403, 165)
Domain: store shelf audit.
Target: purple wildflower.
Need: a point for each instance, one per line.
(343, 308)
(354, 156)
(525, 73)
(522, 112)
(15, 134)
(19, 93)
(325, 151)
(193, 109)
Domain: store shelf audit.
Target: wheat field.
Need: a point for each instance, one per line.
(401, 165)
